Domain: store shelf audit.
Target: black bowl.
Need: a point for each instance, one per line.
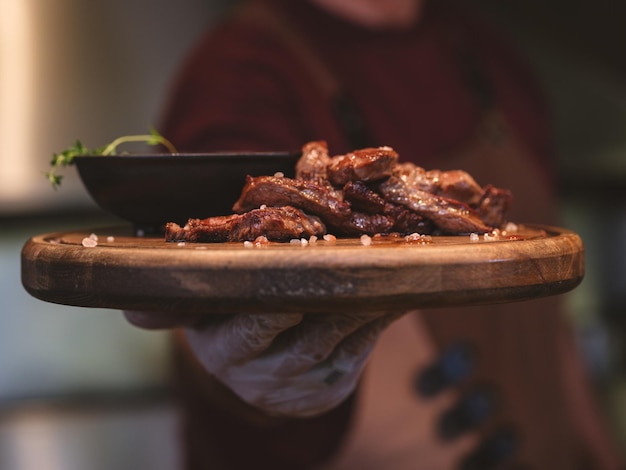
(151, 190)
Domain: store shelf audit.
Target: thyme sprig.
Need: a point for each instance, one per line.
(66, 157)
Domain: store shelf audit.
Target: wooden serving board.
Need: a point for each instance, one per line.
(146, 273)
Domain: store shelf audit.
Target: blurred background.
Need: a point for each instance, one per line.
(80, 388)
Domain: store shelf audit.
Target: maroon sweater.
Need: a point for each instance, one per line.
(242, 87)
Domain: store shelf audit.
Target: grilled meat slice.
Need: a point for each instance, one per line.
(313, 163)
(369, 164)
(362, 198)
(452, 184)
(449, 215)
(360, 223)
(312, 197)
(456, 184)
(494, 204)
(275, 223)
(407, 222)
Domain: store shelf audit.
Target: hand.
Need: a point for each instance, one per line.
(285, 364)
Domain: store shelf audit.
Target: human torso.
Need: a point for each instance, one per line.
(424, 109)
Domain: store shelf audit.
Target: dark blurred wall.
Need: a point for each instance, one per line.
(593, 30)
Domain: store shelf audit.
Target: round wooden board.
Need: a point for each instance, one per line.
(146, 273)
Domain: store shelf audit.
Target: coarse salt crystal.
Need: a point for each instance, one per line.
(248, 244)
(312, 239)
(474, 237)
(89, 242)
(263, 206)
(294, 241)
(94, 237)
(366, 240)
(489, 237)
(279, 174)
(330, 238)
(110, 239)
(261, 240)
(181, 243)
(414, 237)
(304, 242)
(511, 227)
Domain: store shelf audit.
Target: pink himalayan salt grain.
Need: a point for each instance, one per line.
(261, 241)
(492, 236)
(511, 227)
(330, 238)
(416, 238)
(89, 242)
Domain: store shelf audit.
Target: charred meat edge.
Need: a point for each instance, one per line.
(449, 215)
(275, 223)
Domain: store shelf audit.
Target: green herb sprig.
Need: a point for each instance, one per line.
(66, 157)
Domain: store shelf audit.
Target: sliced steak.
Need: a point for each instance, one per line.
(449, 215)
(369, 164)
(312, 197)
(407, 222)
(452, 184)
(360, 223)
(313, 163)
(362, 198)
(494, 204)
(275, 223)
(362, 192)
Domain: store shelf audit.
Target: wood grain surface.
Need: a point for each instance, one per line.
(125, 271)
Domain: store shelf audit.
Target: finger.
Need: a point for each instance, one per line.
(159, 320)
(350, 356)
(323, 385)
(314, 340)
(238, 339)
(366, 336)
(326, 384)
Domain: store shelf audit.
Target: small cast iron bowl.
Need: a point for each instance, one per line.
(150, 190)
